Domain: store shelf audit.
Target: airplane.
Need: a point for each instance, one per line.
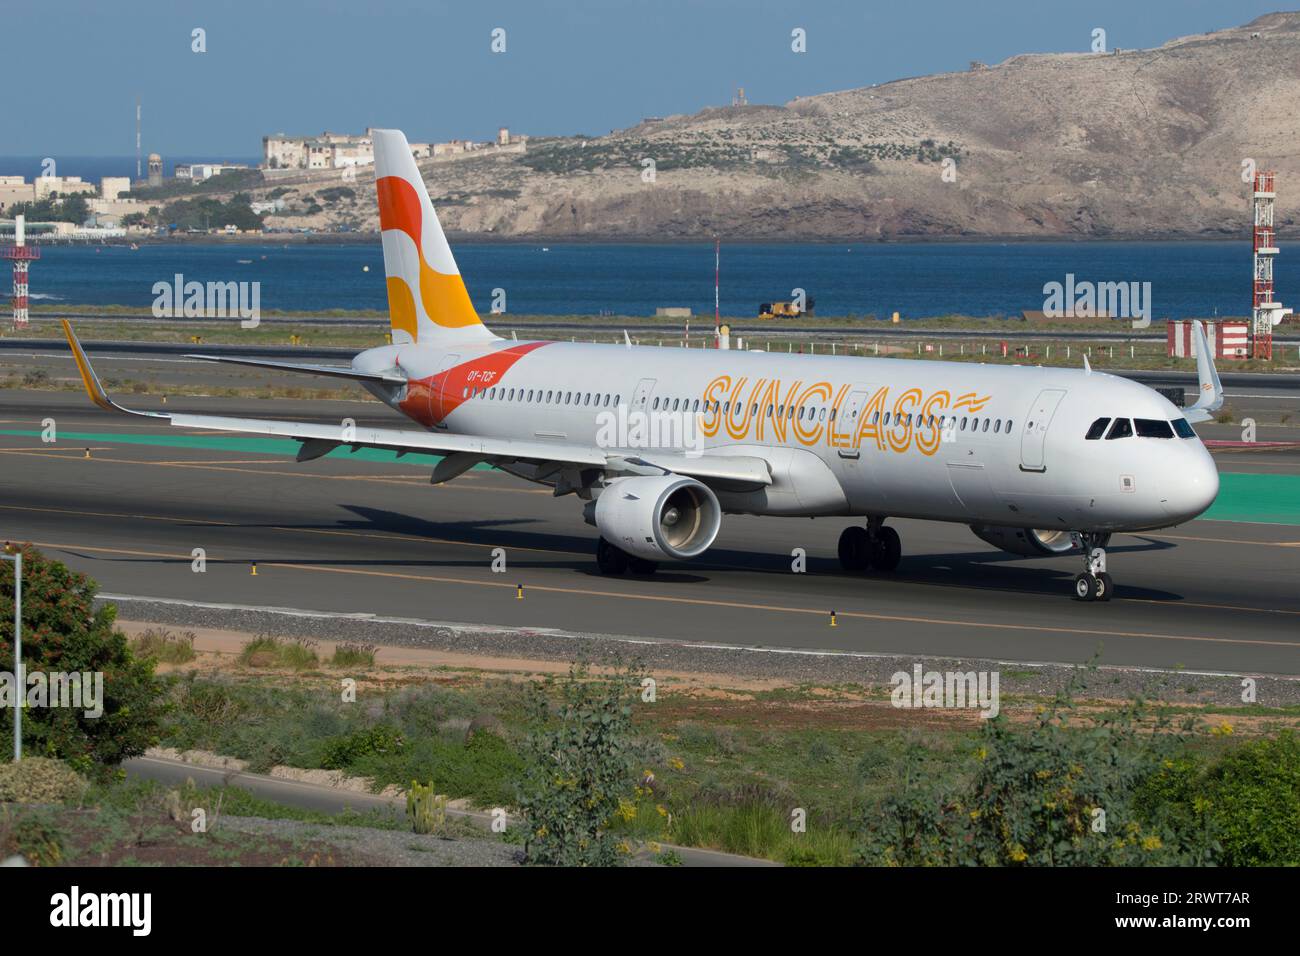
(659, 444)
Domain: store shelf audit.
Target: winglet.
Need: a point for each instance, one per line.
(88, 377)
(91, 381)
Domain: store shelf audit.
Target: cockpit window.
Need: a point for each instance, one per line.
(1121, 429)
(1183, 429)
(1153, 428)
(1098, 429)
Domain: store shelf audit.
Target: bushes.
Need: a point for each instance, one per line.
(1247, 803)
(580, 766)
(39, 780)
(342, 752)
(64, 633)
(1051, 794)
(165, 646)
(267, 650)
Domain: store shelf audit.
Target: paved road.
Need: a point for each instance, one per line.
(306, 796)
(349, 534)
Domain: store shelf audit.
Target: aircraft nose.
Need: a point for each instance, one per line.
(1192, 487)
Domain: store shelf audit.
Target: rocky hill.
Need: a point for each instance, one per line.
(1132, 144)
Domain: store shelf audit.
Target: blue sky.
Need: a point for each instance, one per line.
(579, 66)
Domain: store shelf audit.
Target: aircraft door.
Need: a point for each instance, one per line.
(641, 397)
(855, 477)
(1034, 435)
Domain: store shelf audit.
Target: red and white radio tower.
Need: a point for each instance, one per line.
(22, 256)
(1266, 311)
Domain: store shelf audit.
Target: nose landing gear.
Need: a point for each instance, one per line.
(1093, 584)
(875, 547)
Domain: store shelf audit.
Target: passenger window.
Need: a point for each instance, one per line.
(1153, 428)
(1097, 429)
(821, 415)
(1008, 426)
(963, 423)
(1183, 429)
(985, 426)
(997, 426)
(1121, 429)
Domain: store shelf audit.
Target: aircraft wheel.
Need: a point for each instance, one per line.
(854, 545)
(609, 559)
(889, 550)
(641, 565)
(1085, 586)
(1105, 587)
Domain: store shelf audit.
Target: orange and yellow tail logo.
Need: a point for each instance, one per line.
(427, 301)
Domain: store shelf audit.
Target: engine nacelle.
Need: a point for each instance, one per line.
(1025, 541)
(658, 517)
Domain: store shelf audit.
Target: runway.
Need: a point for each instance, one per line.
(365, 533)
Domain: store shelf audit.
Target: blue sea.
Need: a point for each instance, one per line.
(915, 279)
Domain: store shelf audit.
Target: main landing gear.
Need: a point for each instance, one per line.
(1093, 584)
(875, 547)
(615, 561)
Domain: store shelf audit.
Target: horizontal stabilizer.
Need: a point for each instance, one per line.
(332, 371)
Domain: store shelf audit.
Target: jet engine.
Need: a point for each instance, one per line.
(657, 517)
(1025, 541)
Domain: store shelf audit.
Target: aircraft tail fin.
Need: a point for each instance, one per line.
(1209, 386)
(427, 300)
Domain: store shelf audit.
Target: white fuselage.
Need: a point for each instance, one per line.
(963, 442)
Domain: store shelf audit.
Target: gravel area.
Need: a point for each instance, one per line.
(795, 666)
(366, 845)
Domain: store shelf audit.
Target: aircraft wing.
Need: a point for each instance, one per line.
(462, 451)
(1211, 389)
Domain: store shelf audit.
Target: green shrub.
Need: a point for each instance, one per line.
(39, 780)
(1050, 794)
(348, 654)
(32, 834)
(64, 632)
(266, 650)
(343, 752)
(1248, 802)
(162, 645)
(579, 767)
